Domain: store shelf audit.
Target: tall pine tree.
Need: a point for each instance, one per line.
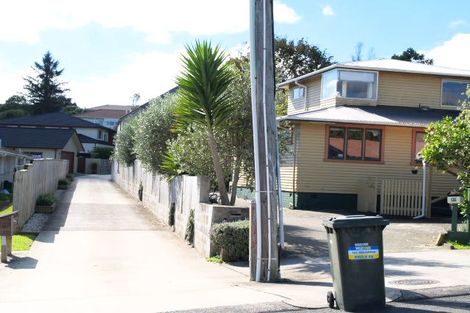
(45, 91)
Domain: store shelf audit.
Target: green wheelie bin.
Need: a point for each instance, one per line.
(356, 251)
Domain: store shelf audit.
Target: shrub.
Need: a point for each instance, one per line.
(5, 197)
(63, 184)
(69, 177)
(101, 153)
(189, 233)
(232, 240)
(47, 199)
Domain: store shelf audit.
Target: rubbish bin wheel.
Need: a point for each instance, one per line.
(331, 299)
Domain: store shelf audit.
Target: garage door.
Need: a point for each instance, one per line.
(70, 156)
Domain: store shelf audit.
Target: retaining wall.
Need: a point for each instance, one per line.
(186, 192)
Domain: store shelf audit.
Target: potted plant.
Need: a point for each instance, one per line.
(45, 203)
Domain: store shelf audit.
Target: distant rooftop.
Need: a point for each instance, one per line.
(46, 138)
(56, 119)
(103, 113)
(126, 108)
(388, 65)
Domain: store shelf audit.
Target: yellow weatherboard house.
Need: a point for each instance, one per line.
(356, 131)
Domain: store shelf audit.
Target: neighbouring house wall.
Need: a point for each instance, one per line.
(103, 166)
(39, 178)
(46, 153)
(186, 192)
(90, 132)
(89, 147)
(315, 176)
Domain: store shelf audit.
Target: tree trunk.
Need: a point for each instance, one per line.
(236, 176)
(219, 173)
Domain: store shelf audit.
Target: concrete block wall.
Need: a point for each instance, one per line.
(187, 193)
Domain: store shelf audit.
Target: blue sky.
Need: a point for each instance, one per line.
(113, 49)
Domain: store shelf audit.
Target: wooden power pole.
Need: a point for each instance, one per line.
(264, 258)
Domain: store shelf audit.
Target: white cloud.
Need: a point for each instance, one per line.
(284, 14)
(328, 10)
(25, 20)
(457, 23)
(452, 53)
(149, 75)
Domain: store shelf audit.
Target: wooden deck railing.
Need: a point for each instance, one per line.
(401, 197)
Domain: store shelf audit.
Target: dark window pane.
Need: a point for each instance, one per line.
(453, 92)
(357, 90)
(336, 143)
(373, 145)
(355, 137)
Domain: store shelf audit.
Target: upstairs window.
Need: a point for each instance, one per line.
(349, 84)
(299, 92)
(454, 92)
(354, 143)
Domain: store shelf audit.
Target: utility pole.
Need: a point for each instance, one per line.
(264, 258)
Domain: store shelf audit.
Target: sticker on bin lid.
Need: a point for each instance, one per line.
(363, 251)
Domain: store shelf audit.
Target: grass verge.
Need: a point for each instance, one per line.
(22, 242)
(7, 210)
(458, 245)
(215, 259)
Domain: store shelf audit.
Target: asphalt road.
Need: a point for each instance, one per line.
(445, 304)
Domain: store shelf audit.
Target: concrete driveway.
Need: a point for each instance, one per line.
(102, 252)
(306, 236)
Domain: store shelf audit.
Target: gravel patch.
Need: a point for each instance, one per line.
(36, 223)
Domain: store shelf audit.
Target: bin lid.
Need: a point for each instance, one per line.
(355, 221)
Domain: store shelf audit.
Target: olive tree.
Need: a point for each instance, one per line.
(124, 143)
(154, 130)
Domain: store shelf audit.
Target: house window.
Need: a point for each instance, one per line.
(299, 92)
(418, 140)
(34, 155)
(354, 143)
(454, 92)
(105, 137)
(100, 134)
(349, 84)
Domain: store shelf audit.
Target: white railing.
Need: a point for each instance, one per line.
(401, 197)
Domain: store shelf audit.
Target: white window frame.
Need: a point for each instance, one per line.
(376, 85)
(300, 96)
(337, 79)
(321, 85)
(442, 90)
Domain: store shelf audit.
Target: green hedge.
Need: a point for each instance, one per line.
(232, 240)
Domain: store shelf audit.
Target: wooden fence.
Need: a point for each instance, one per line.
(402, 197)
(39, 178)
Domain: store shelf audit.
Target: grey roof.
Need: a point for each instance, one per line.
(56, 119)
(374, 115)
(387, 65)
(86, 139)
(45, 138)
